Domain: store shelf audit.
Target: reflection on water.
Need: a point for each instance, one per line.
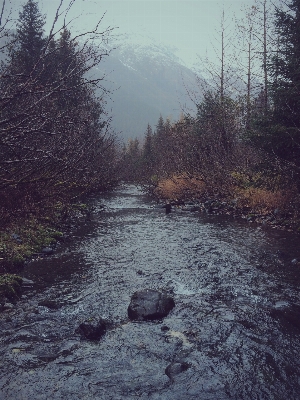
(236, 320)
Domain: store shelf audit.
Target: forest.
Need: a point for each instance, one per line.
(56, 144)
(240, 151)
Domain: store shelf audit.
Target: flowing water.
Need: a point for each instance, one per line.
(236, 322)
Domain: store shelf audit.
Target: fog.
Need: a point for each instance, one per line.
(189, 26)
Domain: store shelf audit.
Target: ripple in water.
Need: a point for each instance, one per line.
(235, 325)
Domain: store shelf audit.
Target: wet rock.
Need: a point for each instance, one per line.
(168, 208)
(150, 305)
(47, 250)
(8, 306)
(176, 368)
(16, 238)
(92, 330)
(27, 282)
(164, 328)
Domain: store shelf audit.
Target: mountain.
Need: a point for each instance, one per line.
(147, 80)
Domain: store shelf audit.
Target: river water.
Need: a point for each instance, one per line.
(235, 324)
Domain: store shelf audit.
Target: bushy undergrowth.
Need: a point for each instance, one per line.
(10, 287)
(21, 240)
(254, 203)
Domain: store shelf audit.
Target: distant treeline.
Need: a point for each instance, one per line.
(55, 138)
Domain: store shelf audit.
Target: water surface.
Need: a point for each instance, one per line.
(236, 319)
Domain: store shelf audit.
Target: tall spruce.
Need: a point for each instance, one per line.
(283, 134)
(29, 43)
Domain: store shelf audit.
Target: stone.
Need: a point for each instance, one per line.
(47, 250)
(149, 304)
(164, 328)
(27, 282)
(16, 238)
(92, 330)
(168, 208)
(176, 368)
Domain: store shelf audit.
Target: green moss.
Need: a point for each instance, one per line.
(10, 287)
(32, 236)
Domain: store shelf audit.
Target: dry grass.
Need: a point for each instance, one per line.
(180, 187)
(262, 200)
(257, 200)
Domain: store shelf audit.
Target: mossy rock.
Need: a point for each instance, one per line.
(10, 287)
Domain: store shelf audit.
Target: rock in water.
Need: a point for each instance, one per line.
(47, 251)
(149, 305)
(92, 330)
(176, 368)
(168, 208)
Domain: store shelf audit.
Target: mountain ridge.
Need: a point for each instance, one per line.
(146, 81)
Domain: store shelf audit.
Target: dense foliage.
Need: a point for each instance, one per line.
(55, 139)
(278, 132)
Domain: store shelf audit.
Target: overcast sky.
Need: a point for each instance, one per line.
(188, 25)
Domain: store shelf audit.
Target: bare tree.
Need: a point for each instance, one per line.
(55, 139)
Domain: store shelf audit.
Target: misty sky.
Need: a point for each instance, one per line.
(188, 25)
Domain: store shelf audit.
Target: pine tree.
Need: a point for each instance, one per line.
(281, 132)
(66, 69)
(160, 129)
(286, 67)
(148, 155)
(29, 42)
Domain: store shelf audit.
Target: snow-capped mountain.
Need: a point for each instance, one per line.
(147, 79)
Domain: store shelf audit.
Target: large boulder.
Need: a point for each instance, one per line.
(149, 305)
(92, 330)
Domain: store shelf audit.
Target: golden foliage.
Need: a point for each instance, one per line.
(262, 200)
(181, 187)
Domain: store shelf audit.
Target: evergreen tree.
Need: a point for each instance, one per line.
(217, 123)
(160, 127)
(148, 155)
(29, 43)
(65, 69)
(279, 132)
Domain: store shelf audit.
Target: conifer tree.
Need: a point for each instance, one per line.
(148, 155)
(29, 42)
(281, 131)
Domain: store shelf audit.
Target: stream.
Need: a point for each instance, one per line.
(235, 324)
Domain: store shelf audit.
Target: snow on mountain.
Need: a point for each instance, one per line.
(147, 80)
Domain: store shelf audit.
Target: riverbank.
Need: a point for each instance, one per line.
(34, 237)
(276, 208)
